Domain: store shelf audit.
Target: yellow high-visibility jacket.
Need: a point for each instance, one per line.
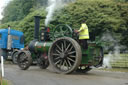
(84, 34)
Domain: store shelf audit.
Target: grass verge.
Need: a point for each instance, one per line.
(4, 82)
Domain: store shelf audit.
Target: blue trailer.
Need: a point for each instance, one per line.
(11, 41)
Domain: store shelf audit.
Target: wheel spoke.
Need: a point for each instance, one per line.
(69, 63)
(57, 58)
(72, 56)
(57, 62)
(64, 44)
(70, 49)
(58, 51)
(68, 46)
(61, 29)
(70, 59)
(58, 47)
(55, 54)
(66, 63)
(63, 65)
(60, 63)
(66, 31)
(62, 47)
(72, 52)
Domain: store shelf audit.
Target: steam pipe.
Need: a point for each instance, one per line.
(9, 45)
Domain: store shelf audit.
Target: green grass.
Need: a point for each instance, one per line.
(4, 82)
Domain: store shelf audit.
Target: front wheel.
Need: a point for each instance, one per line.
(43, 62)
(24, 60)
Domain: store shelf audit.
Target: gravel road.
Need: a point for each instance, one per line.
(36, 76)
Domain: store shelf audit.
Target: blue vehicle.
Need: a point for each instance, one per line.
(11, 41)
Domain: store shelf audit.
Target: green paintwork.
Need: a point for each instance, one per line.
(34, 56)
(89, 56)
(42, 46)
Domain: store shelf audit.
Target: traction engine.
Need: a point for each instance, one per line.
(61, 49)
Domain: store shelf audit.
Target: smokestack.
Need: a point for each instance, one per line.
(37, 26)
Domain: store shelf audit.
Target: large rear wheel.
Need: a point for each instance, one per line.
(65, 55)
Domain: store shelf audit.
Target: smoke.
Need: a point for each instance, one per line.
(113, 48)
(54, 5)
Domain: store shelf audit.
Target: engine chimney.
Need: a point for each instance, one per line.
(37, 26)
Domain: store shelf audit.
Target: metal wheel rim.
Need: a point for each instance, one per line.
(64, 56)
(23, 59)
(15, 57)
(43, 63)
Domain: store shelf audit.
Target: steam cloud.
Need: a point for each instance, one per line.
(115, 47)
(54, 5)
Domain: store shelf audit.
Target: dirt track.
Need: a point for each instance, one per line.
(36, 76)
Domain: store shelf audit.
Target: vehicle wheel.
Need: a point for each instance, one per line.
(100, 58)
(65, 55)
(42, 62)
(24, 60)
(14, 56)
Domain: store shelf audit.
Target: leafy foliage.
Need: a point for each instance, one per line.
(100, 16)
(18, 9)
(27, 24)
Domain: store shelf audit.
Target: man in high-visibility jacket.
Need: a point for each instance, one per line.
(83, 35)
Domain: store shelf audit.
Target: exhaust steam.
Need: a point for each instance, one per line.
(113, 47)
(54, 5)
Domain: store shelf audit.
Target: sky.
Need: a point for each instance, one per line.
(3, 3)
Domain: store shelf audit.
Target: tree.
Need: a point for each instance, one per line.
(18, 9)
(100, 16)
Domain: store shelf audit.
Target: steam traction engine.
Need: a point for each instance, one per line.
(63, 52)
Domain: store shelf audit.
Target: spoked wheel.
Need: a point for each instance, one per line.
(99, 57)
(83, 69)
(43, 62)
(14, 56)
(24, 60)
(65, 55)
(62, 31)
